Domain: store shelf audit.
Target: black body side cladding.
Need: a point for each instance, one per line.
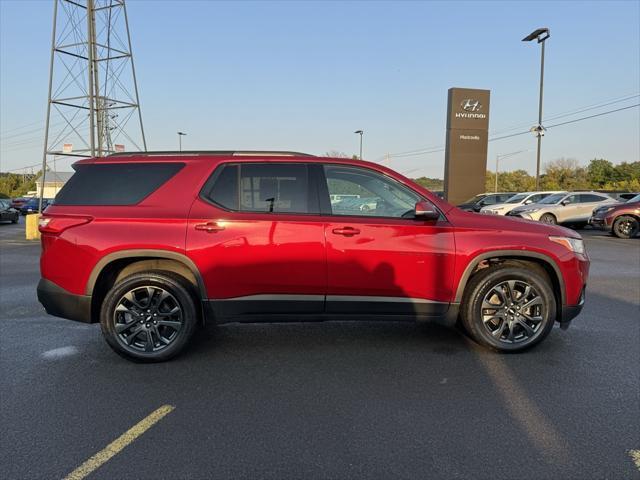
(60, 303)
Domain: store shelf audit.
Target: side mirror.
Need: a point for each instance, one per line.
(564, 203)
(527, 202)
(426, 211)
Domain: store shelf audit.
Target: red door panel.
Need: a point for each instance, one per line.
(245, 254)
(389, 258)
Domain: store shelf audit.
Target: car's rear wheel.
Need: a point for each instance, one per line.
(149, 316)
(549, 218)
(625, 226)
(508, 308)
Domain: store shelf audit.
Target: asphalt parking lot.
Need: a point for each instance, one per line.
(326, 400)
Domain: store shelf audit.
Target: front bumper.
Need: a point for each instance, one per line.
(569, 312)
(60, 303)
(602, 223)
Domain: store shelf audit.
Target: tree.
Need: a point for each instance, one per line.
(516, 181)
(599, 172)
(565, 174)
(430, 183)
(14, 185)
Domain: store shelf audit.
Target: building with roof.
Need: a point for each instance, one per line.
(53, 182)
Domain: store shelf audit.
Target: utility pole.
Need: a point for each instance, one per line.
(360, 132)
(180, 135)
(92, 82)
(541, 34)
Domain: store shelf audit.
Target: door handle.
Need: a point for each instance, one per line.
(209, 227)
(346, 231)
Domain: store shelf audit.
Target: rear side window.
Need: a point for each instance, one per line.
(588, 198)
(115, 183)
(263, 187)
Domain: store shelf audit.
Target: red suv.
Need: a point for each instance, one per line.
(153, 245)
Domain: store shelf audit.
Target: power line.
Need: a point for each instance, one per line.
(440, 148)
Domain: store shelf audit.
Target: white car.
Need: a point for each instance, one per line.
(518, 199)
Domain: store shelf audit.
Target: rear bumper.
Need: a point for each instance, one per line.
(60, 303)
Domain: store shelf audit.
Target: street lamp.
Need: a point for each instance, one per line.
(505, 155)
(180, 135)
(541, 34)
(360, 132)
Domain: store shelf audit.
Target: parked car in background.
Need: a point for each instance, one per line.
(358, 205)
(7, 212)
(518, 199)
(33, 204)
(18, 202)
(153, 246)
(623, 220)
(573, 208)
(476, 203)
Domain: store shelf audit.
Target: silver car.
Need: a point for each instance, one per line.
(570, 207)
(517, 200)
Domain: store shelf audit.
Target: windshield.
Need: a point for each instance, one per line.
(634, 199)
(555, 198)
(517, 198)
(476, 198)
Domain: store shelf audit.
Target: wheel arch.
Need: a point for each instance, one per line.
(114, 266)
(500, 256)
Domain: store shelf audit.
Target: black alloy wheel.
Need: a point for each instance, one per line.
(508, 308)
(149, 316)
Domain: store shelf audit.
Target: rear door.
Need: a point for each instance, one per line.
(380, 259)
(257, 238)
(588, 201)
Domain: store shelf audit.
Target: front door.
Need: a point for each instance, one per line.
(256, 236)
(380, 259)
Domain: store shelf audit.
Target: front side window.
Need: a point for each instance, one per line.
(262, 187)
(366, 193)
(517, 198)
(553, 199)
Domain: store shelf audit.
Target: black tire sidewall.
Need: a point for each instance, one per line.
(480, 286)
(623, 218)
(159, 279)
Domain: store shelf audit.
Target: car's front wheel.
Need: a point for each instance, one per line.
(149, 316)
(508, 308)
(625, 226)
(549, 218)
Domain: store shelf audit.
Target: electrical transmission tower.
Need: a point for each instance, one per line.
(93, 107)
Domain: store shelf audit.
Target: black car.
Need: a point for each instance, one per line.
(7, 212)
(32, 205)
(474, 204)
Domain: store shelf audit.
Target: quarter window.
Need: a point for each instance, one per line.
(360, 192)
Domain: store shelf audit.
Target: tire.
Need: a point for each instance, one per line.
(508, 334)
(15, 220)
(549, 218)
(139, 320)
(625, 226)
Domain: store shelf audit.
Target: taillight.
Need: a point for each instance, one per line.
(57, 225)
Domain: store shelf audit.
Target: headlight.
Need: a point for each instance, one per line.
(529, 210)
(575, 245)
(605, 209)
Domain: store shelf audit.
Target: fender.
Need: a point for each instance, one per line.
(143, 254)
(509, 254)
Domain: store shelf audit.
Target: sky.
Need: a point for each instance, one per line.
(304, 76)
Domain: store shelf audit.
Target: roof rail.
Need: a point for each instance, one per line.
(235, 153)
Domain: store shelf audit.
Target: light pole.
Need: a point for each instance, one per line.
(180, 135)
(541, 34)
(504, 155)
(360, 132)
